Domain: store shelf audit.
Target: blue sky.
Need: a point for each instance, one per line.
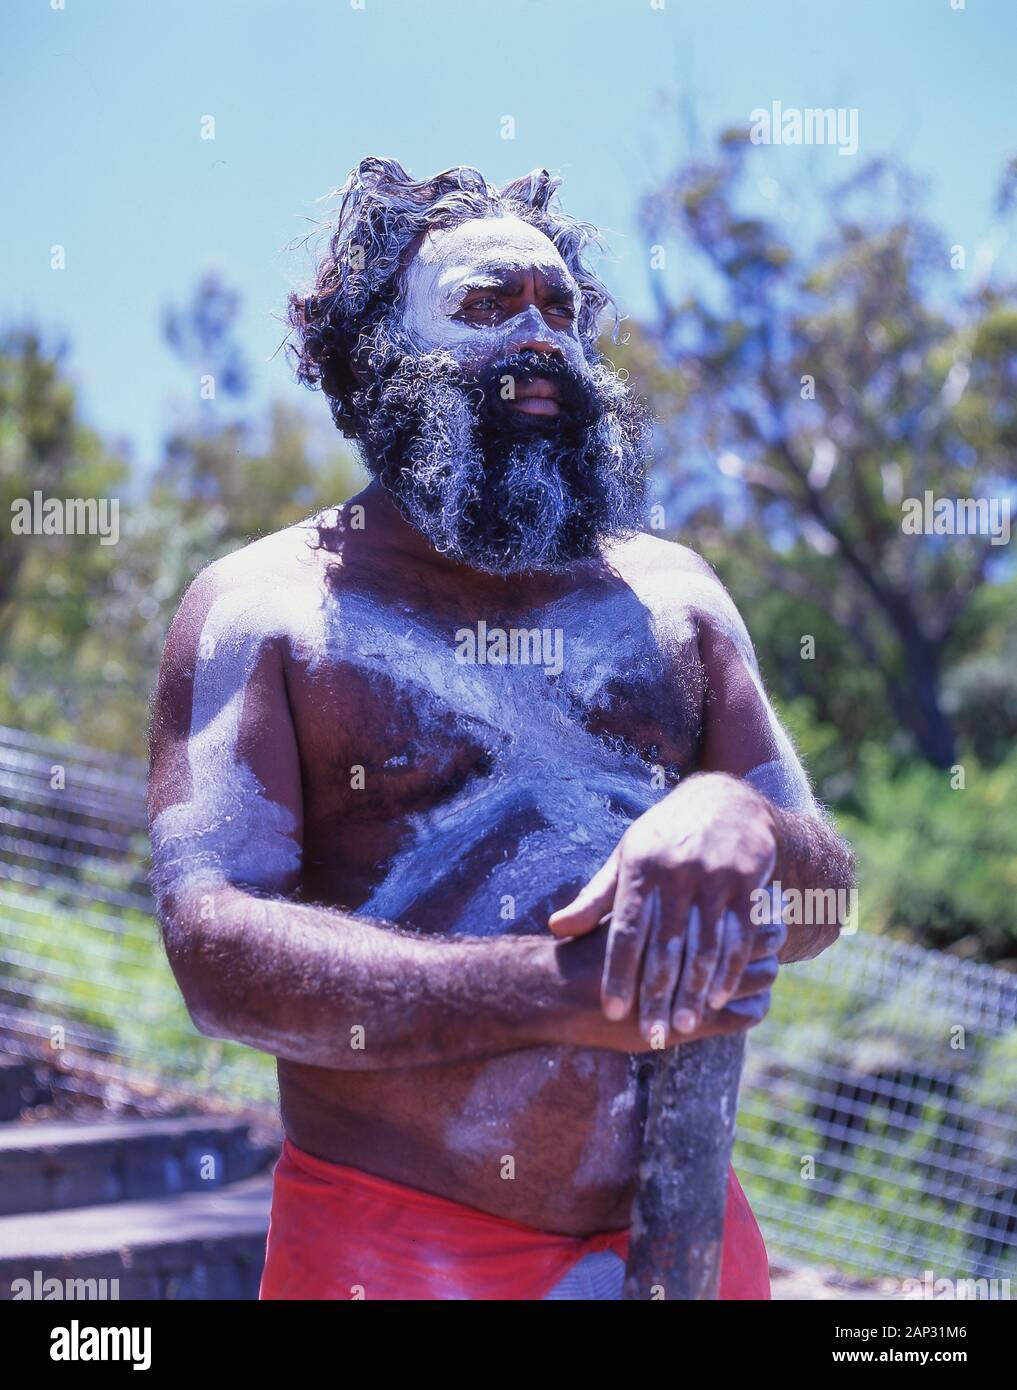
(102, 100)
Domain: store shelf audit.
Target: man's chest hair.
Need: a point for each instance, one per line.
(423, 704)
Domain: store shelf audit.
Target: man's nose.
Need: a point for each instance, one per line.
(530, 333)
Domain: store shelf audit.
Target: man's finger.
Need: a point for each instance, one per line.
(698, 965)
(738, 1015)
(767, 941)
(739, 937)
(662, 966)
(636, 913)
(757, 978)
(590, 904)
(717, 997)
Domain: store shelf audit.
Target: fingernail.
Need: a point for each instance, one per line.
(684, 1020)
(614, 1008)
(718, 999)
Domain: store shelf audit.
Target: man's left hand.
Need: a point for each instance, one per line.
(678, 887)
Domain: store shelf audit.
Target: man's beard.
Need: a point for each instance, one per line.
(496, 488)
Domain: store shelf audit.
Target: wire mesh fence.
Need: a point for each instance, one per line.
(878, 1114)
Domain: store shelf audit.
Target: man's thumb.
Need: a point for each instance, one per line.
(589, 905)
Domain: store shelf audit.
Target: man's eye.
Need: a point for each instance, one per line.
(564, 309)
(488, 302)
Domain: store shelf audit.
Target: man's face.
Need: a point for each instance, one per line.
(488, 289)
(495, 435)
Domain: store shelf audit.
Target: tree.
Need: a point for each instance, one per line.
(807, 393)
(48, 582)
(202, 333)
(82, 623)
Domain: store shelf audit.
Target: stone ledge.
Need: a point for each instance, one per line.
(197, 1245)
(53, 1166)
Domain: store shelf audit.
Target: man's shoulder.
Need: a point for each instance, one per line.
(675, 577)
(255, 589)
(284, 554)
(645, 555)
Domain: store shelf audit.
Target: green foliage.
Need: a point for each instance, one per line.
(104, 977)
(48, 583)
(937, 863)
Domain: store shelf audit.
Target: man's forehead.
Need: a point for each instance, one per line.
(486, 243)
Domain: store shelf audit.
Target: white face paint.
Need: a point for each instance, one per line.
(486, 254)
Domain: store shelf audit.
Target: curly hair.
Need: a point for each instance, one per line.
(381, 217)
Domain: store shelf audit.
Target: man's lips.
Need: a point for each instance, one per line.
(538, 396)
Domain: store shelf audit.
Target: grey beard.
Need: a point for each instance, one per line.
(504, 493)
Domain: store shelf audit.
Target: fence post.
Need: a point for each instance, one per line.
(678, 1216)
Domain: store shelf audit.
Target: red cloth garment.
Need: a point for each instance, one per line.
(339, 1233)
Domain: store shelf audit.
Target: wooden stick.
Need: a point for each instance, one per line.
(678, 1216)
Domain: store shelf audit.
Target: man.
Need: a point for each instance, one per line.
(463, 793)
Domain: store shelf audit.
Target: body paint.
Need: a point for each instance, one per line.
(568, 824)
(487, 1126)
(229, 831)
(610, 1154)
(783, 782)
(506, 1087)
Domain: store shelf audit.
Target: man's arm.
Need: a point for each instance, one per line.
(744, 739)
(681, 884)
(312, 984)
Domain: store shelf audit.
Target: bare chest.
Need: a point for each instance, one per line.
(471, 756)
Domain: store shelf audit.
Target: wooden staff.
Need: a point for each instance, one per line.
(678, 1217)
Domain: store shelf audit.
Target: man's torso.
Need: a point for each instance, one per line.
(457, 783)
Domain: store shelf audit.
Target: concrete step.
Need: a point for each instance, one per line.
(53, 1166)
(197, 1245)
(22, 1085)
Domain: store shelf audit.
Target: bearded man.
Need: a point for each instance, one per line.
(463, 793)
